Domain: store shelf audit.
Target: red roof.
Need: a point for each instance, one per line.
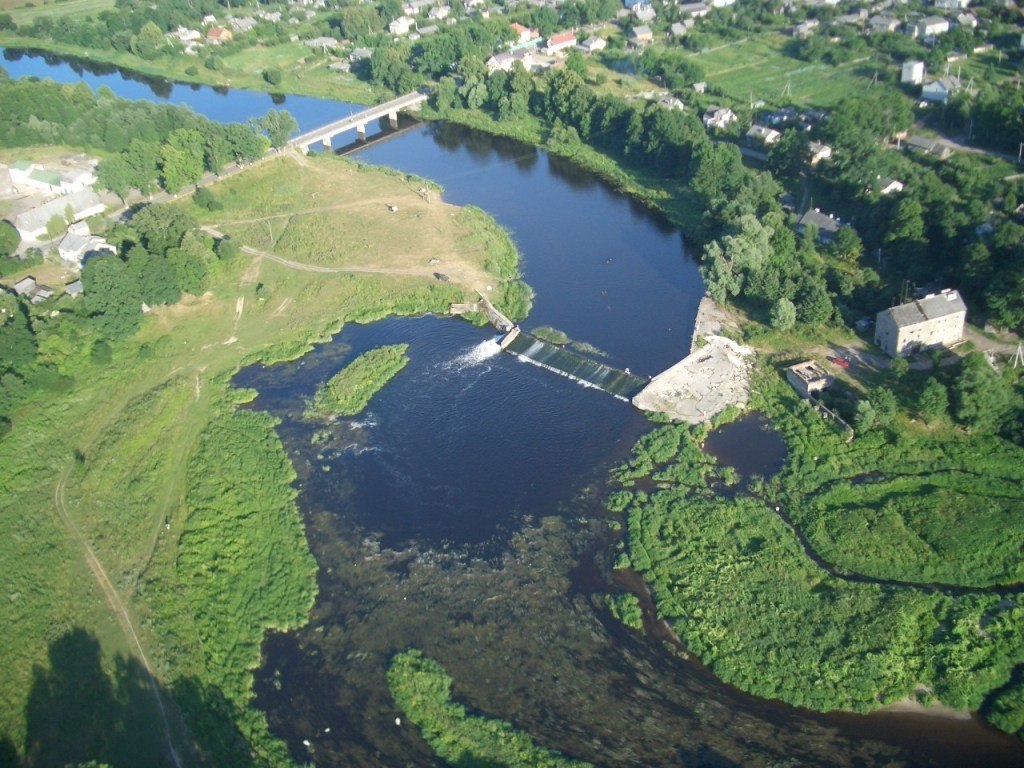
(563, 37)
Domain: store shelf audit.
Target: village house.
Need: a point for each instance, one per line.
(415, 7)
(888, 186)
(966, 20)
(808, 378)
(722, 3)
(883, 24)
(826, 224)
(218, 35)
(242, 24)
(73, 174)
(762, 136)
(937, 320)
(33, 291)
(854, 19)
(716, 117)
(912, 72)
(76, 245)
(360, 54)
(641, 35)
(505, 60)
(74, 289)
(524, 35)
(804, 29)
(644, 13)
(31, 224)
(680, 28)
(940, 91)
(324, 44)
(439, 13)
(694, 10)
(185, 35)
(560, 42)
(208, 19)
(929, 26)
(400, 26)
(929, 146)
(818, 152)
(951, 5)
(593, 44)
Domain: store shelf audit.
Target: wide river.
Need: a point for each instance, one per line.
(461, 513)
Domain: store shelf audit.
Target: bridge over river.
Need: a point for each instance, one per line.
(358, 122)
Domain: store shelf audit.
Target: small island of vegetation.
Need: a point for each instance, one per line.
(349, 391)
(422, 691)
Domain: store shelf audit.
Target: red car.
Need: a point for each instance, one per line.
(842, 362)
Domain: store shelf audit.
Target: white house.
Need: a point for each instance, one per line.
(937, 320)
(887, 186)
(967, 20)
(818, 152)
(883, 24)
(722, 3)
(940, 90)
(439, 12)
(694, 10)
(523, 34)
(644, 13)
(31, 224)
(759, 134)
(593, 44)
(952, 5)
(400, 26)
(74, 246)
(929, 26)
(672, 103)
(912, 72)
(560, 42)
(717, 117)
(641, 35)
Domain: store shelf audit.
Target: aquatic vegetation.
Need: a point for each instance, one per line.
(422, 691)
(349, 391)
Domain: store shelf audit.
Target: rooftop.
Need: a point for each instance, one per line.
(930, 307)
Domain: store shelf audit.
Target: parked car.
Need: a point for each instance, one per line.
(839, 360)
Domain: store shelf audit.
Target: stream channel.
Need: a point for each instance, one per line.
(460, 513)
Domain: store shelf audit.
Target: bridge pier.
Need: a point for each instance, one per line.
(393, 119)
(361, 132)
(327, 143)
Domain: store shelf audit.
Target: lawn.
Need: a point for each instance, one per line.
(24, 11)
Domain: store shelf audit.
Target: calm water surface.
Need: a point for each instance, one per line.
(461, 512)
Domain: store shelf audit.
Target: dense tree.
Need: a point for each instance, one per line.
(9, 238)
(982, 397)
(112, 296)
(17, 342)
(783, 314)
(181, 159)
(933, 401)
(161, 227)
(278, 125)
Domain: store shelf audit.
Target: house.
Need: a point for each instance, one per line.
(74, 290)
(700, 87)
(672, 103)
(427, 31)
(505, 60)
(593, 44)
(360, 54)
(26, 286)
(933, 147)
(937, 320)
(940, 90)
(715, 117)
(818, 152)
(765, 137)
(804, 29)
(679, 29)
(694, 10)
(325, 44)
(31, 224)
(929, 26)
(808, 378)
(854, 19)
(641, 35)
(887, 186)
(42, 293)
(644, 13)
(523, 35)
(75, 246)
(26, 174)
(242, 24)
(400, 26)
(883, 24)
(558, 43)
(414, 7)
(783, 116)
(185, 35)
(952, 5)
(208, 19)
(218, 35)
(912, 72)
(826, 224)
(439, 13)
(966, 20)
(722, 3)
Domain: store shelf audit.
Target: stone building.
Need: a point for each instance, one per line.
(933, 321)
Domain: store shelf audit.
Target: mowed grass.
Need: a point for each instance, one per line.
(759, 69)
(133, 425)
(24, 12)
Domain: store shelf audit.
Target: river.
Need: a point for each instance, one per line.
(461, 512)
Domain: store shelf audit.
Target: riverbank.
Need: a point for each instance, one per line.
(136, 494)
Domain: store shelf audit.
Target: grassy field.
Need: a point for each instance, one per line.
(759, 69)
(24, 12)
(112, 450)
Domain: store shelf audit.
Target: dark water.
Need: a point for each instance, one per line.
(749, 445)
(461, 513)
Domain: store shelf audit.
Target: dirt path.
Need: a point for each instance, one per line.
(115, 602)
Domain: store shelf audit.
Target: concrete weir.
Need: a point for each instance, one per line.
(702, 384)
